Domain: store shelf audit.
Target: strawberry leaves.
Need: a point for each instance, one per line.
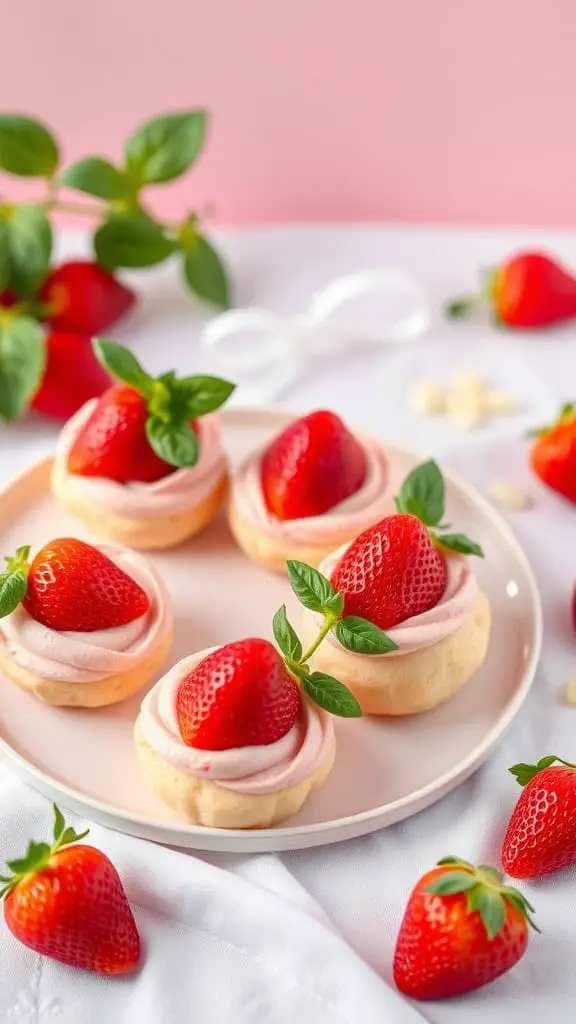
(423, 494)
(524, 773)
(38, 855)
(485, 893)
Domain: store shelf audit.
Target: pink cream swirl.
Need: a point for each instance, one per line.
(76, 657)
(182, 490)
(439, 622)
(264, 769)
(372, 502)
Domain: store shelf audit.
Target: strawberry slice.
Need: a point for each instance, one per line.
(241, 695)
(313, 465)
(67, 902)
(71, 586)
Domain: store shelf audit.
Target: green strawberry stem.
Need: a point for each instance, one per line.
(14, 581)
(524, 773)
(38, 854)
(567, 413)
(466, 304)
(173, 403)
(485, 890)
(423, 494)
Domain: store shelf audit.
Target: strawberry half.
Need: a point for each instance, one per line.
(241, 695)
(397, 568)
(67, 902)
(71, 586)
(313, 465)
(144, 429)
(541, 834)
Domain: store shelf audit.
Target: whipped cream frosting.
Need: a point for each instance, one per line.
(76, 657)
(258, 770)
(433, 625)
(349, 518)
(184, 489)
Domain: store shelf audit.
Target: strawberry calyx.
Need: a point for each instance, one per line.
(173, 403)
(38, 855)
(524, 773)
(463, 305)
(14, 581)
(566, 415)
(423, 495)
(486, 893)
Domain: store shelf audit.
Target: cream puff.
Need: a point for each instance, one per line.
(82, 626)
(308, 491)
(144, 464)
(413, 624)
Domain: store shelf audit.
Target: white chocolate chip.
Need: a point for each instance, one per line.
(501, 402)
(508, 496)
(463, 380)
(570, 692)
(427, 398)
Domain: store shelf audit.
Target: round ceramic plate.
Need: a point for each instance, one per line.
(385, 770)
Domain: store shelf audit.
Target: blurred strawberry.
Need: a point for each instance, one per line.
(81, 296)
(73, 376)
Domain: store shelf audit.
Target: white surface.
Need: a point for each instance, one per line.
(362, 885)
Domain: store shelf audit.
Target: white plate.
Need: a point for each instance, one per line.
(385, 770)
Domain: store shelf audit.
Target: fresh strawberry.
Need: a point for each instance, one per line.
(528, 290)
(72, 376)
(462, 928)
(80, 297)
(541, 834)
(71, 586)
(241, 695)
(68, 903)
(397, 568)
(143, 429)
(313, 465)
(553, 454)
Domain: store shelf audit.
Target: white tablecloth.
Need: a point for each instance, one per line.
(292, 930)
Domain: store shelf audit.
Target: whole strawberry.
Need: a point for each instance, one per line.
(313, 465)
(67, 902)
(81, 297)
(541, 834)
(397, 568)
(553, 453)
(462, 928)
(70, 585)
(72, 375)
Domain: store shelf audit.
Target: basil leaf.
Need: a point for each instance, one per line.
(423, 494)
(122, 363)
(164, 148)
(27, 147)
(312, 589)
(22, 362)
(4, 255)
(37, 855)
(205, 274)
(363, 637)
(176, 443)
(13, 586)
(286, 636)
(333, 696)
(131, 240)
(96, 177)
(203, 394)
(459, 542)
(30, 248)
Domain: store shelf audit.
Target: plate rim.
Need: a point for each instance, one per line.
(294, 837)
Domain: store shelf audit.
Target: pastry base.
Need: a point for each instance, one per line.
(406, 684)
(272, 552)
(146, 534)
(202, 802)
(110, 690)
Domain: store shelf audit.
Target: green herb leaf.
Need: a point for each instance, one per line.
(203, 394)
(423, 494)
(492, 873)
(30, 248)
(524, 773)
(176, 443)
(312, 589)
(27, 147)
(164, 148)
(123, 364)
(454, 860)
(363, 637)
(13, 586)
(37, 854)
(22, 361)
(59, 824)
(131, 240)
(459, 542)
(4, 255)
(492, 910)
(286, 636)
(205, 273)
(452, 882)
(96, 177)
(333, 696)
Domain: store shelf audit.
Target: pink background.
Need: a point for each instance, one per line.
(446, 110)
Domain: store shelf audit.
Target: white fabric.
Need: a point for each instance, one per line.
(252, 940)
